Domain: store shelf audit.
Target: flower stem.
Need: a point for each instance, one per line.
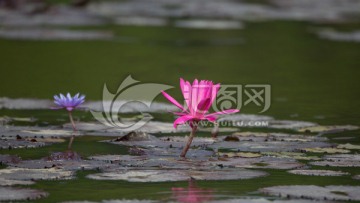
(187, 146)
(74, 130)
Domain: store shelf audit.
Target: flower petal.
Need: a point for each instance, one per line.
(182, 120)
(202, 107)
(210, 118)
(186, 91)
(194, 96)
(172, 100)
(213, 93)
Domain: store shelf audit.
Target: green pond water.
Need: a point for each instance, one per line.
(314, 79)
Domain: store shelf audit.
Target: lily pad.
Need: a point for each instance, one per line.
(332, 192)
(258, 136)
(208, 24)
(233, 10)
(6, 120)
(318, 172)
(127, 201)
(328, 129)
(262, 200)
(339, 160)
(22, 103)
(331, 34)
(195, 153)
(7, 182)
(16, 142)
(268, 146)
(176, 175)
(292, 155)
(67, 165)
(17, 194)
(164, 142)
(53, 34)
(240, 154)
(118, 158)
(183, 139)
(30, 132)
(164, 162)
(141, 21)
(260, 162)
(5, 159)
(250, 134)
(343, 138)
(97, 128)
(114, 201)
(328, 150)
(134, 136)
(34, 174)
(349, 146)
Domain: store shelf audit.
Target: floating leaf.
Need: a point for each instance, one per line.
(34, 174)
(328, 129)
(17, 194)
(7, 182)
(331, 192)
(260, 162)
(262, 200)
(240, 154)
(176, 175)
(293, 155)
(339, 160)
(326, 150)
(318, 172)
(348, 146)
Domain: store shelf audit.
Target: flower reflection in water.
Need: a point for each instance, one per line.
(192, 193)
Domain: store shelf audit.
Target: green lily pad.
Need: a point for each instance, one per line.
(17, 194)
(331, 192)
(349, 146)
(259, 162)
(293, 155)
(339, 160)
(318, 172)
(239, 154)
(328, 129)
(326, 150)
(176, 175)
(34, 174)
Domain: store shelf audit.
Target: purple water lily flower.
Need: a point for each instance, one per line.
(68, 102)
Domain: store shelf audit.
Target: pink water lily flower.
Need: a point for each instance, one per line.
(199, 97)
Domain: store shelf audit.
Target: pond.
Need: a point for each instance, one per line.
(314, 87)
